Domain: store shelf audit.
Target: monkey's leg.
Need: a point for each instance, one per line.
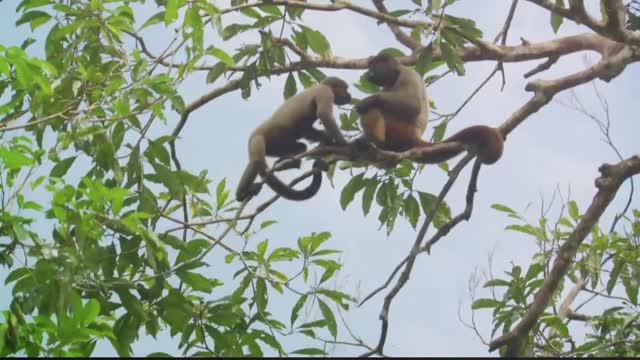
(402, 136)
(286, 150)
(257, 164)
(373, 126)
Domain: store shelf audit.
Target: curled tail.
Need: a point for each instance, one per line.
(288, 192)
(486, 140)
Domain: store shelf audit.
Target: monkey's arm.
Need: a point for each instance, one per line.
(324, 111)
(401, 104)
(257, 164)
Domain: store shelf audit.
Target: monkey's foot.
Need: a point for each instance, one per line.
(361, 144)
(253, 190)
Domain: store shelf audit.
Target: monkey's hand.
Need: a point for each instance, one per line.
(251, 191)
(365, 104)
(325, 139)
(361, 144)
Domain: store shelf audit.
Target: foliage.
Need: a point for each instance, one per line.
(105, 265)
(104, 236)
(607, 267)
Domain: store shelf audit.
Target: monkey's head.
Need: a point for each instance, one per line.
(340, 90)
(384, 70)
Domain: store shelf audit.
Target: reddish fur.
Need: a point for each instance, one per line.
(397, 135)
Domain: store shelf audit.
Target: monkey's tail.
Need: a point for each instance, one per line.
(485, 139)
(288, 192)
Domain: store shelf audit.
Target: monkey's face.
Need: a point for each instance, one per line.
(341, 94)
(383, 70)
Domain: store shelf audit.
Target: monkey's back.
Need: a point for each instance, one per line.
(411, 83)
(299, 111)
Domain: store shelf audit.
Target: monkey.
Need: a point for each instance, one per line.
(396, 118)
(278, 137)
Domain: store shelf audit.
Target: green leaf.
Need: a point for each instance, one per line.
(61, 168)
(197, 281)
(34, 18)
(310, 352)
(155, 19)
(425, 59)
(290, 87)
(556, 20)
(452, 59)
(329, 318)
(351, 189)
(318, 239)
(305, 79)
(158, 355)
(32, 4)
(573, 210)
(221, 55)
(615, 274)
(367, 196)
(17, 274)
(555, 322)
(297, 307)
(261, 294)
(12, 160)
(271, 10)
(215, 72)
(251, 13)
(221, 195)
(533, 271)
(267, 223)
(233, 30)
(564, 221)
(630, 287)
(411, 209)
(314, 324)
(484, 303)
(527, 229)
(503, 208)
(428, 201)
(326, 252)
(283, 254)
(337, 296)
(496, 282)
(91, 311)
(171, 14)
(317, 42)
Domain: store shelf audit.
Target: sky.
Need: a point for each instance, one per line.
(554, 148)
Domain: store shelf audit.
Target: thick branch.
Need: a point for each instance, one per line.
(614, 27)
(339, 5)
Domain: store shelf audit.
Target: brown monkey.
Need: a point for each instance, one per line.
(278, 136)
(395, 118)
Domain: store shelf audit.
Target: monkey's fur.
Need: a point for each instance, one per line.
(278, 136)
(395, 119)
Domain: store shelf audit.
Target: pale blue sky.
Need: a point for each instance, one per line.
(554, 147)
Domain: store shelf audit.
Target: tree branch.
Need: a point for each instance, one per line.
(612, 177)
(400, 35)
(613, 28)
